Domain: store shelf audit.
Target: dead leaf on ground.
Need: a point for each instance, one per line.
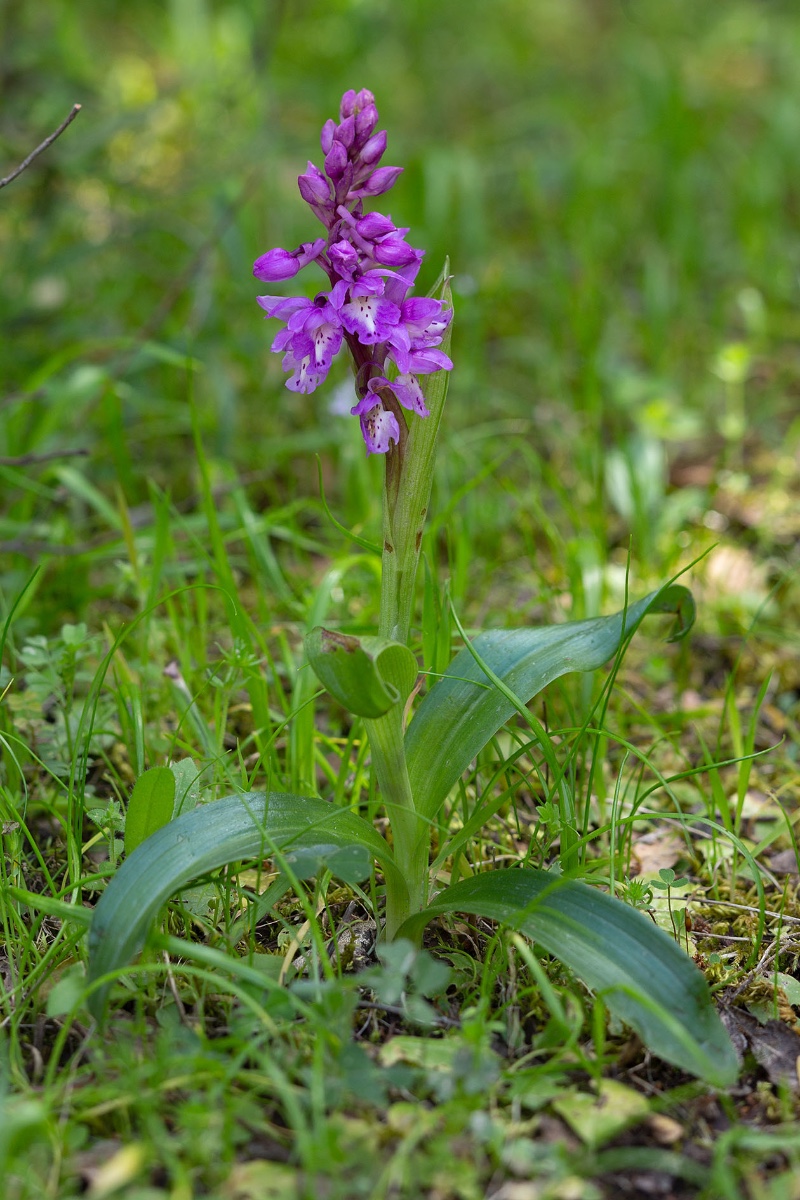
(261, 1180)
(774, 1046)
(656, 852)
(596, 1119)
(784, 863)
(665, 1130)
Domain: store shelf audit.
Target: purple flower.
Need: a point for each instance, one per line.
(371, 268)
(312, 337)
(421, 328)
(379, 426)
(367, 314)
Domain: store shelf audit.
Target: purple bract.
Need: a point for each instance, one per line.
(371, 268)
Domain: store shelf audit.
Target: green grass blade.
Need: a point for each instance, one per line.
(645, 978)
(460, 713)
(229, 830)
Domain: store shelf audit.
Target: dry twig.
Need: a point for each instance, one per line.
(48, 141)
(29, 460)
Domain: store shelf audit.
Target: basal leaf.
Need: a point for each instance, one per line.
(187, 784)
(150, 806)
(464, 709)
(231, 830)
(644, 977)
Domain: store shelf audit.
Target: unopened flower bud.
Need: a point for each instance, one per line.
(335, 161)
(381, 181)
(346, 132)
(275, 265)
(344, 259)
(374, 148)
(348, 104)
(326, 137)
(374, 225)
(366, 120)
(314, 187)
(393, 251)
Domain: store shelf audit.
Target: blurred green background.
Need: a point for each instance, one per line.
(617, 186)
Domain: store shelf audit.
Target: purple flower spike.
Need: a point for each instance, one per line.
(371, 269)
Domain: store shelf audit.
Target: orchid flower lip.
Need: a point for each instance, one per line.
(371, 270)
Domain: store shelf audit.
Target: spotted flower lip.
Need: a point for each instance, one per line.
(371, 269)
(379, 425)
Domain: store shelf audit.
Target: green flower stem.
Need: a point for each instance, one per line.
(410, 833)
(409, 477)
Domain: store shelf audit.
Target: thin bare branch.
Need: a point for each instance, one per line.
(48, 141)
(29, 460)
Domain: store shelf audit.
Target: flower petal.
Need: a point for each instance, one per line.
(282, 307)
(410, 394)
(423, 362)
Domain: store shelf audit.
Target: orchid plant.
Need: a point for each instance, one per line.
(398, 344)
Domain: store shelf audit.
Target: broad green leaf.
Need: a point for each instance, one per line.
(351, 864)
(231, 830)
(150, 806)
(644, 977)
(187, 784)
(464, 709)
(789, 986)
(368, 675)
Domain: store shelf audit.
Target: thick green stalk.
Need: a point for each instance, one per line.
(409, 832)
(409, 477)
